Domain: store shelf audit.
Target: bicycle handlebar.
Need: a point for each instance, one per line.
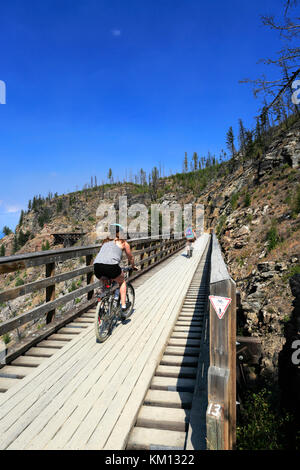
(129, 268)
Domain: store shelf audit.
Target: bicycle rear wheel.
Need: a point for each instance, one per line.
(102, 320)
(130, 298)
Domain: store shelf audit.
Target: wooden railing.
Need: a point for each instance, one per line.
(221, 410)
(147, 253)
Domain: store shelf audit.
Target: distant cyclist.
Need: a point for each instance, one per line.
(107, 261)
(190, 236)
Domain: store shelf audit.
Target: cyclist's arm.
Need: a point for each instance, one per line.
(129, 254)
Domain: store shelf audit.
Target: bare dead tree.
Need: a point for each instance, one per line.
(288, 58)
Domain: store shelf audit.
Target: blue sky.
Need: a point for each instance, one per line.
(94, 84)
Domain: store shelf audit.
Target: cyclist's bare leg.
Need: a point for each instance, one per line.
(188, 248)
(121, 281)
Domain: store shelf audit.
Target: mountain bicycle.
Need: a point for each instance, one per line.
(109, 311)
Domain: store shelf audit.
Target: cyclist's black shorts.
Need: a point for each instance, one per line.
(111, 271)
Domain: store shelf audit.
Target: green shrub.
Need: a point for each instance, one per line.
(273, 237)
(296, 202)
(295, 270)
(46, 246)
(19, 282)
(6, 338)
(261, 427)
(292, 271)
(247, 200)
(221, 223)
(234, 201)
(73, 286)
(59, 205)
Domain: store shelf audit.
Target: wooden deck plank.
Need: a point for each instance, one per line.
(7, 383)
(168, 399)
(15, 371)
(172, 383)
(156, 439)
(28, 361)
(172, 419)
(175, 371)
(48, 343)
(41, 352)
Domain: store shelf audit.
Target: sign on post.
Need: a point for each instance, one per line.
(220, 304)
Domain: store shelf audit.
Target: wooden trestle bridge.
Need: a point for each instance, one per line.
(165, 379)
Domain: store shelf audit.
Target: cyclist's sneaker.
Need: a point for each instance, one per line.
(124, 309)
(117, 294)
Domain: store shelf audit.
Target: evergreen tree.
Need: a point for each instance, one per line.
(143, 177)
(2, 250)
(23, 238)
(195, 160)
(15, 244)
(242, 136)
(258, 131)
(249, 143)
(153, 183)
(21, 217)
(230, 141)
(6, 230)
(208, 160)
(110, 176)
(185, 163)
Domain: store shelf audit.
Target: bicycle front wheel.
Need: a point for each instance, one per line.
(102, 320)
(130, 298)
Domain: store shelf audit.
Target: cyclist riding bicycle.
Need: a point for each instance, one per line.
(107, 261)
(190, 236)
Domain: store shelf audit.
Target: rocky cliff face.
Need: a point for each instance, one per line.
(255, 215)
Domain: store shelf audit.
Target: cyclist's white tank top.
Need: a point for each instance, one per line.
(110, 253)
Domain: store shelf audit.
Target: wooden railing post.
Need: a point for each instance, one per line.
(142, 247)
(50, 291)
(221, 410)
(89, 276)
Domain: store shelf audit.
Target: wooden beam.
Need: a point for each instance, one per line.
(15, 292)
(221, 410)
(38, 312)
(26, 343)
(50, 291)
(90, 275)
